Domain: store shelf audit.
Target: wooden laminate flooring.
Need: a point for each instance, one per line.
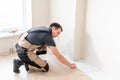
(57, 71)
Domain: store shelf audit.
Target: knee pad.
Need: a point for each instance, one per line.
(46, 68)
(40, 52)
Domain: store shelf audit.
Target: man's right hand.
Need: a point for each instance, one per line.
(72, 66)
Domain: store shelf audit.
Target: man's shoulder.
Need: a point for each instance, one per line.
(38, 29)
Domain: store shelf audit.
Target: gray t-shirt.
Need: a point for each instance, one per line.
(40, 36)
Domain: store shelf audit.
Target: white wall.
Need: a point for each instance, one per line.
(79, 29)
(40, 12)
(70, 14)
(102, 36)
(63, 12)
(6, 44)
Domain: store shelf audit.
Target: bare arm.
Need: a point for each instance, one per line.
(61, 58)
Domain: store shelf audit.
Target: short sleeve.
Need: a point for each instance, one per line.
(49, 40)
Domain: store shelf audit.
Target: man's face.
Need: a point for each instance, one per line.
(55, 32)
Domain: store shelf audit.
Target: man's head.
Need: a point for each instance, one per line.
(56, 29)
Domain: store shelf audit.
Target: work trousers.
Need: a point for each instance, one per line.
(31, 59)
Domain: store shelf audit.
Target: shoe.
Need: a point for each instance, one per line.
(16, 65)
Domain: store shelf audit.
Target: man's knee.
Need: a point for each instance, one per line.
(46, 68)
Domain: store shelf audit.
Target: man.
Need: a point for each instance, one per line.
(33, 43)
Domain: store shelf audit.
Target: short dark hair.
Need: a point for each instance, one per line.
(56, 25)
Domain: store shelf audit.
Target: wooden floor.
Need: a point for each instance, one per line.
(57, 71)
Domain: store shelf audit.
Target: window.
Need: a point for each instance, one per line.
(15, 15)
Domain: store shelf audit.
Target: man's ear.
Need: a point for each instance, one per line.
(53, 28)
